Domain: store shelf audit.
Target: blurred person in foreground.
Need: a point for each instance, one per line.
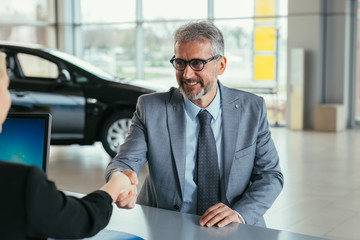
(31, 207)
(245, 179)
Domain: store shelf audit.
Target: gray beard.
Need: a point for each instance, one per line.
(204, 91)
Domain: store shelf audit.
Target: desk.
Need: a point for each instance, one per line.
(159, 224)
(156, 224)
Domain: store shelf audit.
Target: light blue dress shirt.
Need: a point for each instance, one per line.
(192, 132)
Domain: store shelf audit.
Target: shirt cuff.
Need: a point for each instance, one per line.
(243, 220)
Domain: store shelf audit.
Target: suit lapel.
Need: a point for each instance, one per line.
(176, 125)
(231, 116)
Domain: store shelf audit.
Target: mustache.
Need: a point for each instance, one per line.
(192, 80)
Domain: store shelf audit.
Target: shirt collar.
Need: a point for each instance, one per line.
(214, 107)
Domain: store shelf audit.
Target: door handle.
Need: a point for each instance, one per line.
(19, 93)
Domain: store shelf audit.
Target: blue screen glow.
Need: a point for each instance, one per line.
(22, 141)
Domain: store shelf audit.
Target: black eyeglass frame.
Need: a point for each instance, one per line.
(195, 59)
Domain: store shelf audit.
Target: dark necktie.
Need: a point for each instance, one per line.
(207, 175)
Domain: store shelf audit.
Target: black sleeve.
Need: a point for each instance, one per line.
(50, 213)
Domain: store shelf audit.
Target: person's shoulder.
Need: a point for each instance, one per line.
(11, 167)
(21, 172)
(165, 94)
(244, 95)
(160, 97)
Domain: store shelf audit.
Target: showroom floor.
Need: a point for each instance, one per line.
(321, 196)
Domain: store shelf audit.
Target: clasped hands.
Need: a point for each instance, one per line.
(218, 215)
(122, 188)
(127, 199)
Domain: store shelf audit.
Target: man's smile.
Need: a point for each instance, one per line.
(191, 82)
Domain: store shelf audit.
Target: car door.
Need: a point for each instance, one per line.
(41, 84)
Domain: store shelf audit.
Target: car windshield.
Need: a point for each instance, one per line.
(82, 64)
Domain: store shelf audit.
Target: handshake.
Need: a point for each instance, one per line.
(122, 188)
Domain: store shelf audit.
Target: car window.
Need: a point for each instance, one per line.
(35, 66)
(79, 78)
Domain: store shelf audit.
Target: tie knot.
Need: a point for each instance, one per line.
(204, 118)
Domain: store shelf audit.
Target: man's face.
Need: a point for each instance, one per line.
(5, 101)
(198, 86)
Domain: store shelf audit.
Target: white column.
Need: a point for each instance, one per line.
(64, 26)
(139, 41)
(211, 11)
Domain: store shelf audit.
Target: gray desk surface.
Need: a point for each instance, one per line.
(153, 223)
(158, 224)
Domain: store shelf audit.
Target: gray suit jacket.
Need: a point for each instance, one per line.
(253, 178)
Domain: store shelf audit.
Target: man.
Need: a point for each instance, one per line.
(165, 129)
(30, 205)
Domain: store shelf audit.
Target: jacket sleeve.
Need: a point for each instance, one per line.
(133, 152)
(266, 180)
(50, 213)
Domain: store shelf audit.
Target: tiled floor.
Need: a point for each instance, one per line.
(321, 196)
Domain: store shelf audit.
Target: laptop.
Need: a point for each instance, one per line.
(25, 138)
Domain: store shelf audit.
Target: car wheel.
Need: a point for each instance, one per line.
(115, 130)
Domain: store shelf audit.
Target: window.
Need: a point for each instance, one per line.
(238, 50)
(79, 78)
(170, 10)
(27, 11)
(158, 50)
(107, 11)
(34, 66)
(234, 8)
(111, 48)
(31, 21)
(134, 39)
(30, 34)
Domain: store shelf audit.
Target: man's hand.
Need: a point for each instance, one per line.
(128, 199)
(220, 215)
(118, 184)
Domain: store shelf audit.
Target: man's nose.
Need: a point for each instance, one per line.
(188, 72)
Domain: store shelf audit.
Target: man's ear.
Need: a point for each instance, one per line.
(221, 65)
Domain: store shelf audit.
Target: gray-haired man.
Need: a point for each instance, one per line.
(165, 130)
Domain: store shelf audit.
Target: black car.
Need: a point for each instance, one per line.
(86, 104)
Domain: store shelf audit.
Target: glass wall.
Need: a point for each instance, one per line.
(110, 47)
(108, 31)
(158, 50)
(133, 38)
(156, 10)
(31, 21)
(255, 35)
(120, 36)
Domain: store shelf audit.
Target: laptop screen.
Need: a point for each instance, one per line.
(25, 138)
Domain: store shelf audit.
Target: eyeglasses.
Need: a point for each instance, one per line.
(195, 64)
